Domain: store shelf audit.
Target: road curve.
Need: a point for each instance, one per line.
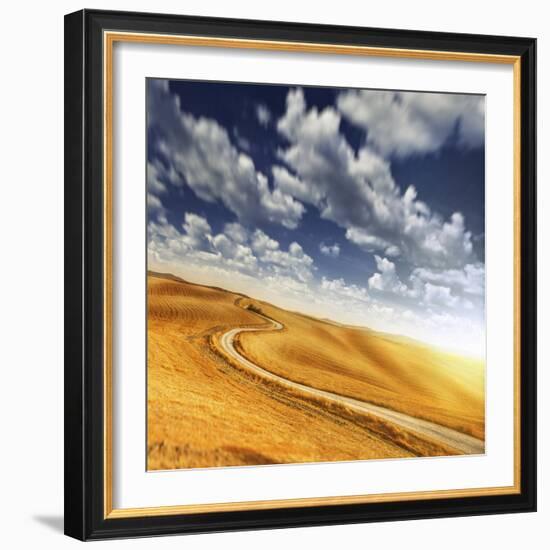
(461, 442)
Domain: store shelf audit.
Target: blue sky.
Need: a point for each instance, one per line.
(364, 206)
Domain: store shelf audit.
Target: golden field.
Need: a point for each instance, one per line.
(205, 409)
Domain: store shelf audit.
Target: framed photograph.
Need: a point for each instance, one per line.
(300, 274)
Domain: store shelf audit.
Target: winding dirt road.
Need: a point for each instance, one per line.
(461, 442)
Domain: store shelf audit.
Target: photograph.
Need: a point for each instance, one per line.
(315, 274)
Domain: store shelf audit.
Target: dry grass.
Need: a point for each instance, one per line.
(204, 411)
(394, 372)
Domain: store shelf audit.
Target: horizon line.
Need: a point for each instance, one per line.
(326, 320)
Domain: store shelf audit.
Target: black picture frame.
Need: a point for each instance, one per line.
(84, 282)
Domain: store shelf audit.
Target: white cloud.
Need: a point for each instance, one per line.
(154, 183)
(279, 206)
(154, 204)
(293, 186)
(234, 249)
(200, 154)
(406, 123)
(330, 250)
(155, 174)
(392, 251)
(339, 286)
(285, 284)
(371, 243)
(293, 120)
(263, 114)
(357, 192)
(161, 231)
(294, 261)
(159, 176)
(469, 280)
(197, 231)
(236, 232)
(386, 279)
(242, 142)
(262, 243)
(236, 255)
(439, 296)
(431, 288)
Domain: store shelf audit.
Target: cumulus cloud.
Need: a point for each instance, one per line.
(469, 280)
(439, 296)
(201, 155)
(197, 231)
(339, 287)
(294, 186)
(263, 114)
(448, 289)
(234, 254)
(156, 176)
(357, 192)
(286, 284)
(235, 248)
(154, 204)
(294, 261)
(371, 243)
(236, 232)
(407, 123)
(155, 171)
(330, 250)
(432, 290)
(386, 279)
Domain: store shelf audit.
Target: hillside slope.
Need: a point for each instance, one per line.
(204, 411)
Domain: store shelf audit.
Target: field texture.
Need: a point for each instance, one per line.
(207, 408)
